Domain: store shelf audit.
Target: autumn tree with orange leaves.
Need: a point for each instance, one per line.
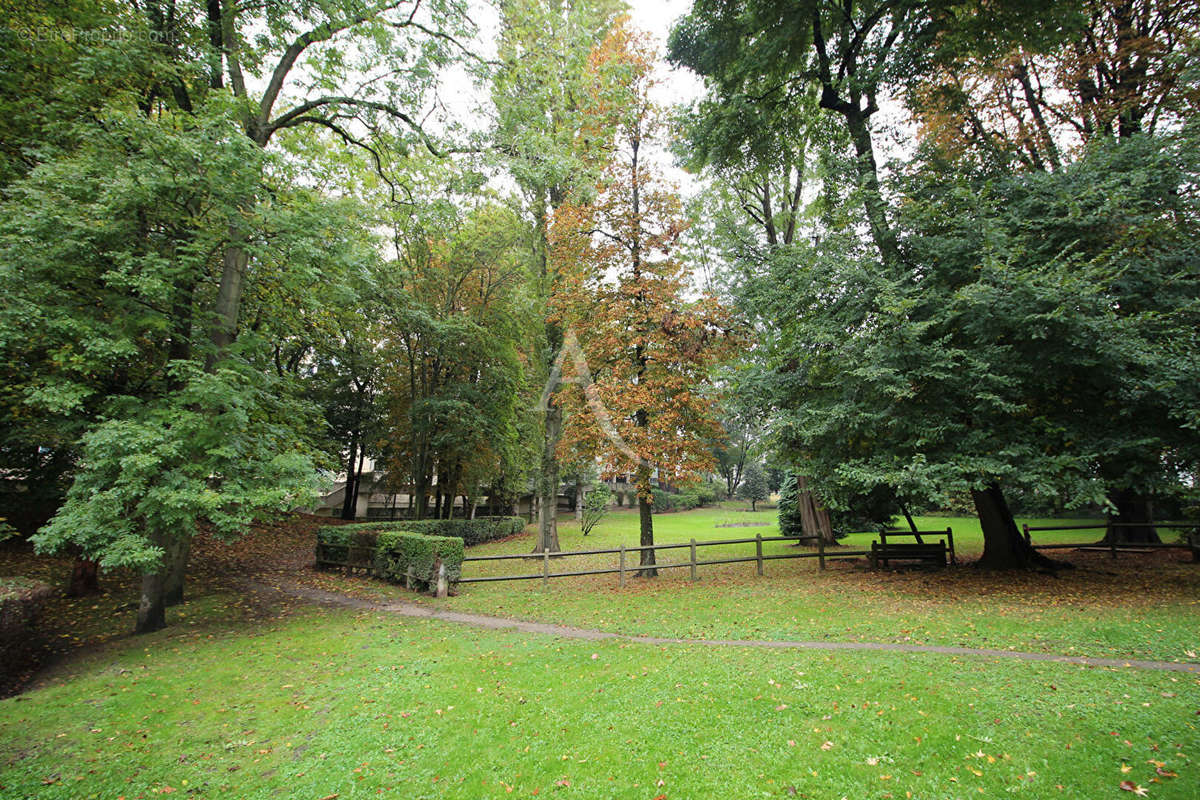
(635, 382)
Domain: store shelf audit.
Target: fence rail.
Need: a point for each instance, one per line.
(1192, 542)
(693, 562)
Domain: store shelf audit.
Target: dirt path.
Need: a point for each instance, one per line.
(501, 623)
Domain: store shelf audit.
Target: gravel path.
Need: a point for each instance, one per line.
(587, 634)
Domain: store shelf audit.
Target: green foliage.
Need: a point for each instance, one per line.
(472, 531)
(221, 449)
(393, 552)
(670, 501)
(1039, 343)
(754, 484)
(595, 506)
(790, 522)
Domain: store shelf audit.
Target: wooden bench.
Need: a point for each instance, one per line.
(926, 552)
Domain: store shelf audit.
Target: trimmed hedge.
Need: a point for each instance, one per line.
(471, 531)
(407, 551)
(21, 601)
(399, 556)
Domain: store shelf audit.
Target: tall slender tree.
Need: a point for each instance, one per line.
(644, 351)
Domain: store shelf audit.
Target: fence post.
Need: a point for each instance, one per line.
(622, 584)
(1028, 539)
(693, 559)
(1112, 539)
(758, 552)
(821, 551)
(545, 566)
(950, 541)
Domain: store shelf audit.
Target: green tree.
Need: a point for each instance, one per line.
(1019, 357)
(552, 139)
(754, 485)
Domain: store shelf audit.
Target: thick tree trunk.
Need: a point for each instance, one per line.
(1132, 508)
(580, 499)
(152, 610)
(84, 578)
(548, 481)
(1003, 545)
(814, 517)
(175, 562)
(645, 497)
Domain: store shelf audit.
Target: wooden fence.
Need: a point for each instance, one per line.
(1192, 542)
(693, 563)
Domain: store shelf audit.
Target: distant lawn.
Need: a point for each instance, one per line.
(1138, 606)
(328, 704)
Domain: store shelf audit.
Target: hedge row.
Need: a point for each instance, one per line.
(471, 531)
(400, 556)
(21, 600)
(407, 551)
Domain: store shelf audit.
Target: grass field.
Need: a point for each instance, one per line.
(247, 697)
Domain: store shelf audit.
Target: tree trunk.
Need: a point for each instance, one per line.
(645, 497)
(175, 563)
(548, 481)
(84, 578)
(350, 500)
(580, 499)
(1003, 545)
(814, 517)
(152, 610)
(1132, 508)
(868, 181)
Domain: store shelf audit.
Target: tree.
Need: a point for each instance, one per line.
(1118, 70)
(595, 507)
(456, 338)
(754, 487)
(206, 50)
(939, 384)
(552, 140)
(118, 308)
(643, 351)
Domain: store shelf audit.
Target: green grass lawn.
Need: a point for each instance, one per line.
(1121, 609)
(337, 703)
(242, 698)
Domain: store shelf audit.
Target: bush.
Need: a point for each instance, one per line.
(666, 501)
(707, 493)
(405, 551)
(411, 558)
(471, 531)
(388, 551)
(595, 507)
(21, 601)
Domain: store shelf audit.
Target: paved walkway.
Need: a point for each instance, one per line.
(588, 634)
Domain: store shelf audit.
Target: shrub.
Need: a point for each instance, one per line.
(471, 531)
(790, 523)
(595, 506)
(667, 501)
(21, 601)
(707, 493)
(411, 558)
(405, 551)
